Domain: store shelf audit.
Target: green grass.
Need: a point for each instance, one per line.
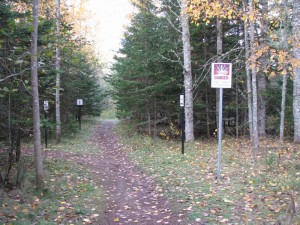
(71, 194)
(78, 141)
(110, 113)
(248, 192)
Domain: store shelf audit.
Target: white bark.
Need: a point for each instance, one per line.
(254, 86)
(219, 53)
(188, 81)
(284, 42)
(296, 77)
(35, 95)
(57, 67)
(282, 112)
(248, 77)
(262, 110)
(262, 81)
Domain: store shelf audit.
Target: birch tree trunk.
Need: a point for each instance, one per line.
(35, 95)
(262, 81)
(188, 80)
(248, 77)
(296, 78)
(219, 53)
(284, 41)
(254, 84)
(261, 108)
(57, 67)
(282, 112)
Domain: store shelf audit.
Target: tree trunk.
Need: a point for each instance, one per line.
(296, 78)
(248, 76)
(188, 80)
(282, 112)
(57, 67)
(284, 41)
(262, 81)
(155, 118)
(10, 144)
(35, 95)
(254, 85)
(149, 121)
(261, 110)
(236, 111)
(219, 53)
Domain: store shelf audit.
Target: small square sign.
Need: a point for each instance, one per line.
(221, 75)
(79, 102)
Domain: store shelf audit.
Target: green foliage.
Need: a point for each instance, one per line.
(79, 71)
(146, 77)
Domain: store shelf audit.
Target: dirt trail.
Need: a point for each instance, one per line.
(132, 197)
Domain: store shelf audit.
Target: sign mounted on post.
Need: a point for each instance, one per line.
(181, 100)
(79, 102)
(46, 105)
(182, 123)
(221, 75)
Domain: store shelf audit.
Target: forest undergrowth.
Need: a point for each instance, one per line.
(71, 194)
(263, 192)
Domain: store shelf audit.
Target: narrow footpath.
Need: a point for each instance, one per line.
(131, 196)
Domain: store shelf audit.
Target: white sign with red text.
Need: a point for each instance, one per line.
(221, 74)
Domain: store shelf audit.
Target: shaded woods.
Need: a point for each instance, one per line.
(80, 69)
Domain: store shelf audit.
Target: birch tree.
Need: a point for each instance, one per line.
(188, 80)
(261, 76)
(254, 79)
(248, 78)
(296, 77)
(35, 96)
(284, 42)
(219, 54)
(57, 67)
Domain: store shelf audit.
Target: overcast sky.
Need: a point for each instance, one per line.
(108, 20)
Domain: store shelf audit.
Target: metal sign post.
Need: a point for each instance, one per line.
(182, 123)
(221, 76)
(46, 108)
(220, 132)
(79, 103)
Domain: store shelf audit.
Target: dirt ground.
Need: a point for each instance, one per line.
(131, 196)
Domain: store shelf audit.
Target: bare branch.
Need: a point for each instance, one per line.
(14, 75)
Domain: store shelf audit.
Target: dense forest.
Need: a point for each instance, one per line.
(67, 69)
(168, 50)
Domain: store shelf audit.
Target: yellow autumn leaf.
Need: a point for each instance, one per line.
(26, 211)
(86, 220)
(116, 219)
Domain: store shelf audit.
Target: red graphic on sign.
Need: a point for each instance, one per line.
(221, 71)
